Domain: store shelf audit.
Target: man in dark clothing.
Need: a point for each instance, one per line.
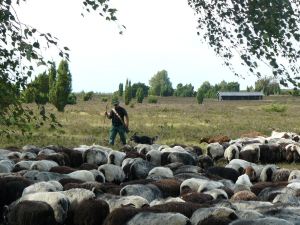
(119, 125)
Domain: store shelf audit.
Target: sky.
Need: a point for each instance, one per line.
(159, 35)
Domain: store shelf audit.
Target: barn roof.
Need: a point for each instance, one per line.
(240, 93)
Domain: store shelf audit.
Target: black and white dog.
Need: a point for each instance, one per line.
(143, 139)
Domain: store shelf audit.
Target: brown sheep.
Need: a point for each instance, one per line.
(258, 187)
(91, 212)
(65, 181)
(75, 156)
(30, 213)
(60, 158)
(11, 188)
(251, 173)
(281, 175)
(88, 166)
(62, 169)
(168, 187)
(196, 197)
(244, 196)
(185, 208)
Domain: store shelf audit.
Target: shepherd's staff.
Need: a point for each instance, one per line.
(105, 113)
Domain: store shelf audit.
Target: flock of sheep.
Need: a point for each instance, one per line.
(153, 184)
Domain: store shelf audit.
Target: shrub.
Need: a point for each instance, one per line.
(131, 105)
(104, 99)
(152, 99)
(88, 96)
(139, 95)
(275, 108)
(72, 99)
(200, 96)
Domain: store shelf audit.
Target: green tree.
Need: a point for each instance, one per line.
(63, 86)
(41, 84)
(200, 96)
(127, 93)
(121, 89)
(267, 85)
(52, 83)
(184, 90)
(138, 85)
(160, 84)
(140, 95)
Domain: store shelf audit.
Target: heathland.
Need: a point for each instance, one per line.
(172, 119)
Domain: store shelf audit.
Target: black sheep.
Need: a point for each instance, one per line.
(226, 173)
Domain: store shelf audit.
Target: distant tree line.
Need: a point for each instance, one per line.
(160, 85)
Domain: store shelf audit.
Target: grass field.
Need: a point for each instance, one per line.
(173, 119)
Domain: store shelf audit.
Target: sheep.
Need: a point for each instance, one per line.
(183, 157)
(217, 193)
(244, 196)
(258, 187)
(46, 151)
(6, 166)
(77, 195)
(62, 169)
(148, 191)
(76, 157)
(270, 153)
(166, 200)
(161, 172)
(30, 213)
(226, 173)
(83, 175)
(295, 174)
(99, 177)
(215, 150)
(58, 201)
(267, 173)
(116, 157)
(154, 157)
(11, 189)
(115, 201)
(244, 180)
(22, 165)
(209, 185)
(205, 161)
(281, 175)
(262, 221)
(112, 173)
(232, 152)
(168, 187)
(95, 156)
(61, 159)
(91, 212)
(143, 148)
(139, 169)
(269, 193)
(158, 218)
(43, 165)
(50, 186)
(219, 212)
(28, 155)
(88, 166)
(187, 169)
(195, 197)
(250, 153)
(192, 184)
(143, 139)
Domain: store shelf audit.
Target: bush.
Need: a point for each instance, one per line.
(139, 95)
(152, 99)
(275, 108)
(104, 99)
(72, 99)
(200, 96)
(88, 96)
(131, 105)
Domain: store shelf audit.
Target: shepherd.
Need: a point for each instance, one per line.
(119, 125)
